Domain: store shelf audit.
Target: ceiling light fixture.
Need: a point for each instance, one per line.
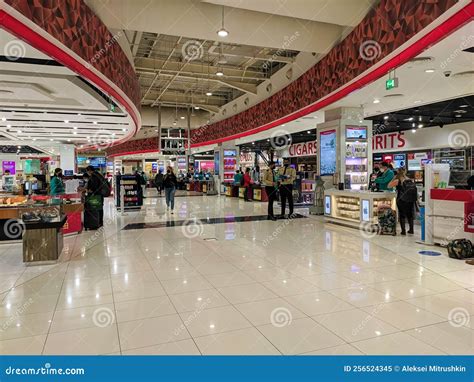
(124, 129)
(95, 122)
(196, 107)
(385, 117)
(376, 100)
(429, 71)
(222, 32)
(19, 131)
(420, 125)
(463, 105)
(411, 119)
(181, 117)
(458, 115)
(66, 121)
(208, 93)
(413, 131)
(219, 73)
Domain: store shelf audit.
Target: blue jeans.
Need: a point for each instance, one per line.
(169, 194)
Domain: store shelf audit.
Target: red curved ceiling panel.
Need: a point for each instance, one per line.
(390, 24)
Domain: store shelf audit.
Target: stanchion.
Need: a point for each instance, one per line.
(122, 201)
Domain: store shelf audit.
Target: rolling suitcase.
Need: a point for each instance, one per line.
(387, 221)
(93, 212)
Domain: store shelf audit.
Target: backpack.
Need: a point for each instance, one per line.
(409, 192)
(460, 249)
(105, 190)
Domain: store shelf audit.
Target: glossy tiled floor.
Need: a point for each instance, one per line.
(254, 287)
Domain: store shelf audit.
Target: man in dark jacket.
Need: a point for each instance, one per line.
(95, 188)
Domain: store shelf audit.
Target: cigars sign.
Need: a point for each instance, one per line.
(303, 149)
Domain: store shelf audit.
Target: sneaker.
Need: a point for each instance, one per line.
(403, 233)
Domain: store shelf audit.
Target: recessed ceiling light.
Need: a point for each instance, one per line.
(429, 71)
(19, 147)
(413, 131)
(69, 140)
(9, 126)
(124, 129)
(34, 139)
(458, 115)
(95, 122)
(385, 117)
(417, 101)
(420, 125)
(463, 105)
(3, 119)
(181, 117)
(52, 139)
(75, 133)
(309, 132)
(208, 94)
(66, 121)
(376, 100)
(19, 131)
(413, 124)
(410, 119)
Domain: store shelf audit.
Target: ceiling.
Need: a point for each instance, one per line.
(179, 71)
(44, 104)
(178, 54)
(442, 113)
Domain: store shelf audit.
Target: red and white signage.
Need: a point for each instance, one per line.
(388, 141)
(303, 149)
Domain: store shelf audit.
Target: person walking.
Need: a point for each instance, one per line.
(286, 177)
(407, 196)
(169, 184)
(270, 188)
(384, 179)
(57, 184)
(159, 182)
(96, 189)
(247, 184)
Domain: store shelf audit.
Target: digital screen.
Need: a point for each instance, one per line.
(68, 173)
(365, 210)
(81, 161)
(8, 165)
(230, 153)
(356, 132)
(216, 162)
(32, 166)
(98, 162)
(399, 161)
(328, 152)
(327, 205)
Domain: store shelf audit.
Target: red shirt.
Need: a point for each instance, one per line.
(247, 179)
